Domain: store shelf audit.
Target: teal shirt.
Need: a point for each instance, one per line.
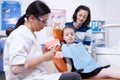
(81, 58)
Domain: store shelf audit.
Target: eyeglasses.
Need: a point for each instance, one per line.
(41, 20)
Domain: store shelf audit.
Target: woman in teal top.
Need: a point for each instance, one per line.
(76, 56)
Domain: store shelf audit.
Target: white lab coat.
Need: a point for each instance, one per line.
(20, 46)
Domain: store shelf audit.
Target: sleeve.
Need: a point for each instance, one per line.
(88, 37)
(69, 24)
(18, 59)
(87, 40)
(18, 50)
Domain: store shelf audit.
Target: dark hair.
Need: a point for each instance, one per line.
(66, 28)
(82, 7)
(9, 30)
(36, 8)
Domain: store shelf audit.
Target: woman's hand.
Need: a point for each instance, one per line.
(49, 55)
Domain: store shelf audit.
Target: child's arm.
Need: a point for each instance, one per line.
(68, 63)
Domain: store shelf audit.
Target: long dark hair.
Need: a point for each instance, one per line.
(36, 8)
(82, 7)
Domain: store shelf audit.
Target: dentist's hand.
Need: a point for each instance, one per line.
(49, 55)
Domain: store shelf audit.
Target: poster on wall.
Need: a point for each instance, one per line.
(11, 11)
(57, 17)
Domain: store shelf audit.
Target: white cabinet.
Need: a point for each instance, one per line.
(111, 53)
(107, 56)
(112, 32)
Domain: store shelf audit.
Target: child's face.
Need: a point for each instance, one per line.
(69, 35)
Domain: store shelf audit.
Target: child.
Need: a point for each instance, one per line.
(77, 57)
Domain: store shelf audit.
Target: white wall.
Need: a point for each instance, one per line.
(96, 6)
(107, 10)
(112, 11)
